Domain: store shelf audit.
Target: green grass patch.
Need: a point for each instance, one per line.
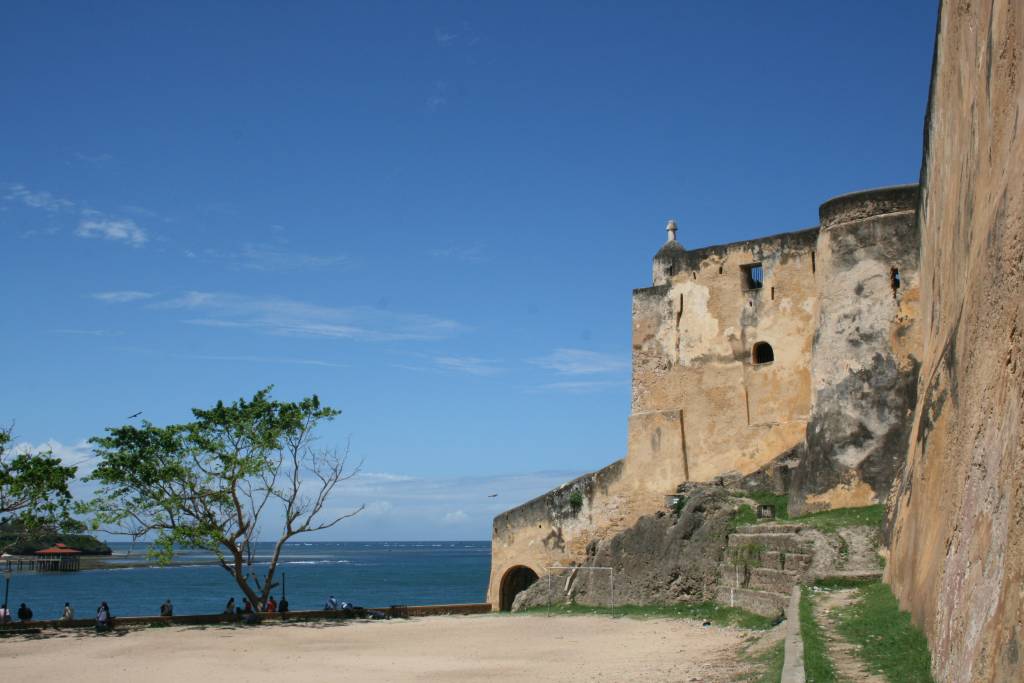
(817, 665)
(703, 611)
(781, 503)
(745, 515)
(767, 665)
(833, 520)
(890, 644)
(837, 582)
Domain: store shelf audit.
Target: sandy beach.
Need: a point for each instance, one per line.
(466, 648)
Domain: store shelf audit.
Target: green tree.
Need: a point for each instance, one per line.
(34, 493)
(209, 483)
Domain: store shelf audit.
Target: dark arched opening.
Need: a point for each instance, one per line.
(516, 580)
(763, 353)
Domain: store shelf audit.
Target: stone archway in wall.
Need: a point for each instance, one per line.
(516, 580)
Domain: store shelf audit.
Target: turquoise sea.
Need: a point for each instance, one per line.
(366, 574)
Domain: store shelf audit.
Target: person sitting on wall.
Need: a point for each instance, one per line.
(283, 607)
(167, 609)
(5, 614)
(24, 613)
(331, 604)
(229, 608)
(69, 612)
(246, 606)
(271, 604)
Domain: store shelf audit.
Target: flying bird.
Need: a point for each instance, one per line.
(493, 495)
(130, 417)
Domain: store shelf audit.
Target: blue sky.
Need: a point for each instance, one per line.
(430, 214)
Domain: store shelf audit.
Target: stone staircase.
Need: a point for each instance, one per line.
(762, 563)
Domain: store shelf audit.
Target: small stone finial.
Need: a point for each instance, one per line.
(671, 229)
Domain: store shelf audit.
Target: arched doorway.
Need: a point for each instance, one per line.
(516, 580)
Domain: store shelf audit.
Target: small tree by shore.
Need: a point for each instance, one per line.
(209, 484)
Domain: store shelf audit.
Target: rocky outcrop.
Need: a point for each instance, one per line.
(957, 513)
(662, 559)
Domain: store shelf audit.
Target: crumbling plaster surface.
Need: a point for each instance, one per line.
(865, 354)
(957, 512)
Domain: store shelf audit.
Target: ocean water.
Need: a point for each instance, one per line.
(366, 574)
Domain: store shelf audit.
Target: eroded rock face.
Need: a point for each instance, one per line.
(957, 513)
(662, 559)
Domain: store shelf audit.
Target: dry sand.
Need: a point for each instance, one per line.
(468, 648)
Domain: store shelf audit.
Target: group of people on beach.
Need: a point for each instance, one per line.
(247, 611)
(103, 618)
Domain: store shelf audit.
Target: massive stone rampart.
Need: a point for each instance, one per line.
(957, 517)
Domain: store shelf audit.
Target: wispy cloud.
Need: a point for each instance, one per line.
(92, 224)
(469, 364)
(438, 96)
(444, 38)
(90, 333)
(112, 229)
(37, 200)
(581, 362)
(268, 257)
(582, 387)
(282, 360)
(94, 159)
(79, 454)
(123, 296)
(281, 316)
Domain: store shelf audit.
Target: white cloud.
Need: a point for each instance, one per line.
(79, 454)
(111, 229)
(581, 362)
(122, 297)
(37, 200)
(444, 38)
(469, 365)
(280, 316)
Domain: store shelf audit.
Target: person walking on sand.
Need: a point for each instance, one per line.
(24, 613)
(167, 609)
(271, 604)
(69, 612)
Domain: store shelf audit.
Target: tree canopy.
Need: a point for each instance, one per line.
(212, 482)
(34, 493)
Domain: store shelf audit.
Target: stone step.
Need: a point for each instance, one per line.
(766, 604)
(772, 580)
(797, 562)
(770, 529)
(787, 543)
(734, 575)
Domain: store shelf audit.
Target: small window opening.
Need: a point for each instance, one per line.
(763, 353)
(773, 294)
(753, 276)
(695, 275)
(812, 262)
(719, 270)
(894, 279)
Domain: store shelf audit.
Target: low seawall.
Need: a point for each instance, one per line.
(396, 611)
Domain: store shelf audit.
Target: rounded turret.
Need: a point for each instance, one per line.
(859, 206)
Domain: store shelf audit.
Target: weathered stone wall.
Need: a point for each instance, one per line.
(701, 407)
(865, 353)
(957, 516)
